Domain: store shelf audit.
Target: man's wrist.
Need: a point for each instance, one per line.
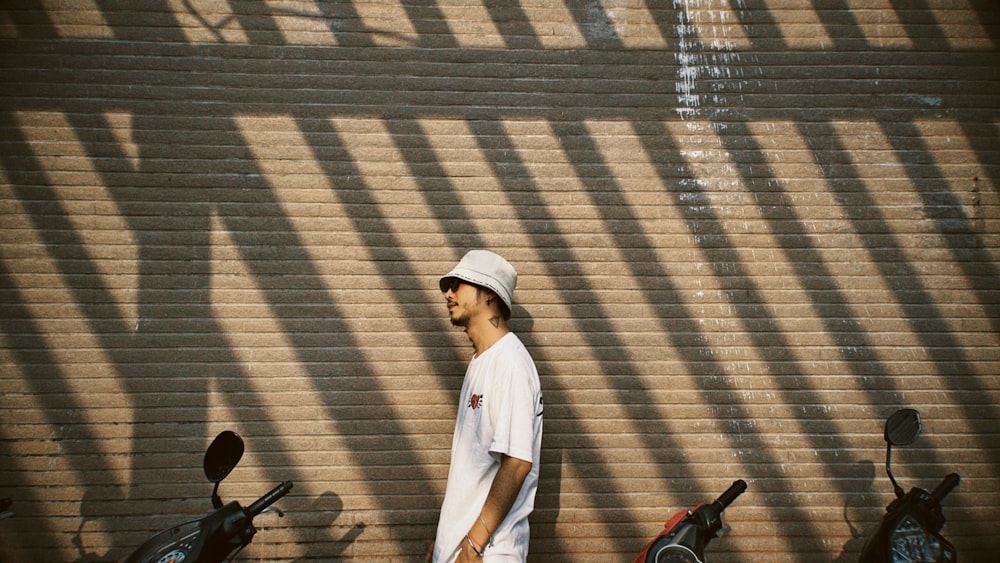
(475, 546)
(489, 532)
(478, 528)
(477, 537)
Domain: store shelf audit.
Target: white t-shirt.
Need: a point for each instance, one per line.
(499, 412)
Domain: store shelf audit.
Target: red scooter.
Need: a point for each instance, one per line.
(219, 535)
(685, 536)
(910, 530)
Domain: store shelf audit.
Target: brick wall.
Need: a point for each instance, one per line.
(746, 233)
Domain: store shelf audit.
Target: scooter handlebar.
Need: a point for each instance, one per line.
(734, 490)
(945, 487)
(270, 498)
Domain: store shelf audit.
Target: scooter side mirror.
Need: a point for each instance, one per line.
(221, 457)
(903, 427)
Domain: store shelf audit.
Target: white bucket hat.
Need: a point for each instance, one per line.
(485, 269)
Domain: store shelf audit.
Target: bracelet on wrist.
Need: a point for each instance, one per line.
(475, 547)
(489, 533)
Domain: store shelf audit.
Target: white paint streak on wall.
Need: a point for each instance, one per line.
(709, 65)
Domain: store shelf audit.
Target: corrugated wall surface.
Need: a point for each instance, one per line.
(746, 232)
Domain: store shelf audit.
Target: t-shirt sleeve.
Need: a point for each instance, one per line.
(514, 412)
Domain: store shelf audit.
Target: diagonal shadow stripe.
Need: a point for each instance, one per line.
(121, 17)
(33, 21)
(434, 185)
(343, 19)
(840, 22)
(595, 24)
(917, 17)
(989, 17)
(430, 25)
(514, 24)
(944, 208)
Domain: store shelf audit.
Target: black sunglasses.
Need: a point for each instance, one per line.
(452, 284)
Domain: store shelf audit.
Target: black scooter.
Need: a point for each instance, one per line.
(219, 535)
(910, 530)
(685, 536)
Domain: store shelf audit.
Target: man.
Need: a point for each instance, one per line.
(498, 433)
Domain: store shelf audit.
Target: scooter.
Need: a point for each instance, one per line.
(685, 536)
(219, 535)
(910, 529)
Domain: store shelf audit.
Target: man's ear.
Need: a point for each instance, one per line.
(490, 295)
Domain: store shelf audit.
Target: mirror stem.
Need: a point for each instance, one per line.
(895, 486)
(217, 501)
